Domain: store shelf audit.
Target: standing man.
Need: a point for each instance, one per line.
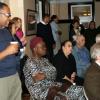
(56, 33)
(10, 85)
(44, 31)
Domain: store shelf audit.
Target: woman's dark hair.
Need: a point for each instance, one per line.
(53, 17)
(91, 22)
(63, 43)
(2, 5)
(10, 25)
(75, 21)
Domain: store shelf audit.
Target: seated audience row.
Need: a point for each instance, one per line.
(40, 75)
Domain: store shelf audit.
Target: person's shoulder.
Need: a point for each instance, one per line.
(75, 47)
(91, 68)
(59, 54)
(71, 55)
(45, 59)
(86, 48)
(29, 60)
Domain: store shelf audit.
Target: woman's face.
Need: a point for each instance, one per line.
(92, 25)
(18, 24)
(40, 49)
(76, 25)
(68, 47)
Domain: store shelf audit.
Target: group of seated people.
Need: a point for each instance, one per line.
(67, 78)
(71, 76)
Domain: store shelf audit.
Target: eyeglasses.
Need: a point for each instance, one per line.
(6, 14)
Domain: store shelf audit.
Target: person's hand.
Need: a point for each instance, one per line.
(39, 76)
(23, 40)
(66, 78)
(73, 75)
(12, 49)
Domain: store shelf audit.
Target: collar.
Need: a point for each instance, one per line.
(2, 27)
(43, 22)
(78, 49)
(32, 22)
(97, 62)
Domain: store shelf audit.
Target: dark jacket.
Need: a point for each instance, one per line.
(64, 66)
(92, 82)
(45, 32)
(90, 36)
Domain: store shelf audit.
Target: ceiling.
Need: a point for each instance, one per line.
(65, 1)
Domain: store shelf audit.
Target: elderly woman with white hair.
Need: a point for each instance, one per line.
(92, 78)
(97, 39)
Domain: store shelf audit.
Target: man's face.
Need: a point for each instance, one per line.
(46, 19)
(81, 41)
(5, 16)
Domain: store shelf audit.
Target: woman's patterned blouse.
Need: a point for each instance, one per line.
(39, 89)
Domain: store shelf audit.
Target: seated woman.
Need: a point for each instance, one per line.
(65, 63)
(40, 77)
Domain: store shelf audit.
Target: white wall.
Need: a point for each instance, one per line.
(61, 10)
(28, 4)
(17, 10)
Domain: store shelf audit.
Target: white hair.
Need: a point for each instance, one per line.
(97, 39)
(95, 50)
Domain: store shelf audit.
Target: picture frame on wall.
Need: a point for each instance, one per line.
(31, 26)
(84, 11)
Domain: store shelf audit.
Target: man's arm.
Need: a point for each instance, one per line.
(11, 49)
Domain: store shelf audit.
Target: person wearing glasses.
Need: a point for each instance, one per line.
(10, 85)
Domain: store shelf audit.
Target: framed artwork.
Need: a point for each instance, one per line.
(83, 10)
(31, 26)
